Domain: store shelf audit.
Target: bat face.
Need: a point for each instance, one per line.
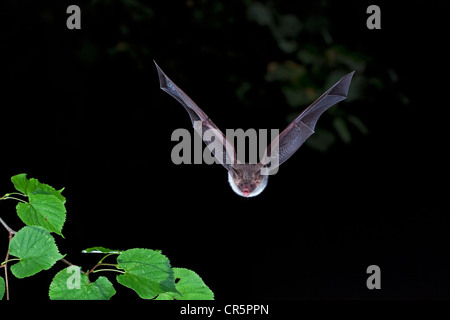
(246, 180)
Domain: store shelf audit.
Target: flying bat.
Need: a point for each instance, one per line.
(247, 179)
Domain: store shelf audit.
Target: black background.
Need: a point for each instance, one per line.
(102, 130)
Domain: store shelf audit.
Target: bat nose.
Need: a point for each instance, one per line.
(246, 189)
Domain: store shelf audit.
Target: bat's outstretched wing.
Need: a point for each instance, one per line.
(215, 140)
(303, 126)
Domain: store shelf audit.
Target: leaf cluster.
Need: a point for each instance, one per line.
(33, 249)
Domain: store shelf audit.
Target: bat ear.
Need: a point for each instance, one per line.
(233, 171)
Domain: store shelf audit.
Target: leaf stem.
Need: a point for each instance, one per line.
(6, 261)
(101, 264)
(109, 254)
(114, 270)
(108, 264)
(5, 197)
(18, 193)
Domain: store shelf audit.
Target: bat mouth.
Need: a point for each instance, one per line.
(245, 193)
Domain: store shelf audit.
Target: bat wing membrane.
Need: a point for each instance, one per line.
(226, 155)
(303, 126)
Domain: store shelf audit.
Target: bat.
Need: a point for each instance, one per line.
(246, 179)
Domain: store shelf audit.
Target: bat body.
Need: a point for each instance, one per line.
(249, 180)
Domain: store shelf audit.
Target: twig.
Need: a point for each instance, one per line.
(67, 262)
(6, 264)
(11, 234)
(11, 231)
(71, 264)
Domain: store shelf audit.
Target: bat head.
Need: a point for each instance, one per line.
(246, 180)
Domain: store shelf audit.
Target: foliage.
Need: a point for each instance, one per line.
(189, 286)
(36, 249)
(33, 249)
(2, 288)
(301, 74)
(45, 207)
(146, 271)
(100, 289)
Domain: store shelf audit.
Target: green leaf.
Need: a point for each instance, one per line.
(358, 124)
(44, 210)
(259, 13)
(342, 130)
(43, 188)
(71, 284)
(2, 288)
(147, 272)
(100, 250)
(20, 182)
(33, 186)
(36, 249)
(189, 285)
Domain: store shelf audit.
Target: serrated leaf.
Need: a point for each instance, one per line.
(147, 272)
(36, 187)
(43, 210)
(43, 188)
(2, 288)
(36, 249)
(100, 250)
(189, 285)
(71, 284)
(33, 186)
(20, 182)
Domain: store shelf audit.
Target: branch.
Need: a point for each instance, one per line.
(5, 265)
(71, 264)
(66, 262)
(10, 231)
